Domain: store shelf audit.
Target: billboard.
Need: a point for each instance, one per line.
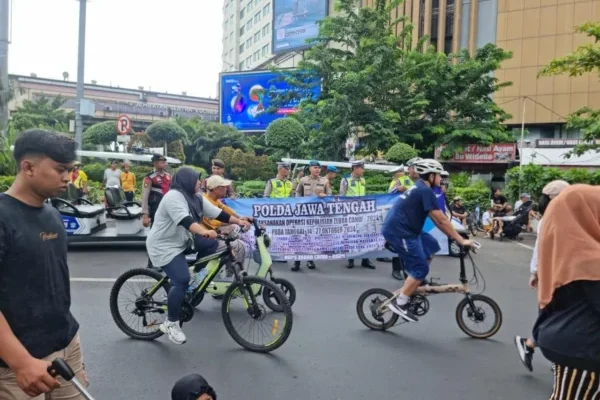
(499, 153)
(294, 21)
(245, 98)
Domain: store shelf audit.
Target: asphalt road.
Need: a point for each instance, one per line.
(330, 354)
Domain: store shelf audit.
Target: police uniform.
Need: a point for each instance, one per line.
(307, 187)
(156, 185)
(353, 186)
(279, 188)
(401, 181)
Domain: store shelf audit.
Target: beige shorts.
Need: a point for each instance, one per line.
(9, 390)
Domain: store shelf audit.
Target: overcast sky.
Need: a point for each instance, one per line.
(163, 45)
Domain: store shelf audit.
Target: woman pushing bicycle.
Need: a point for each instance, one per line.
(177, 220)
(403, 226)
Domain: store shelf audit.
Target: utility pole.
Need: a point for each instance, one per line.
(4, 89)
(80, 74)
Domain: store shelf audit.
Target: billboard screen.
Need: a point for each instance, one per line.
(245, 99)
(294, 21)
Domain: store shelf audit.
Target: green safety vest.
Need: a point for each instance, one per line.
(280, 189)
(404, 181)
(355, 187)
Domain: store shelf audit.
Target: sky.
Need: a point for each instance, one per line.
(129, 43)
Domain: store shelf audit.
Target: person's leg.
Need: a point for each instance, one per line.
(366, 263)
(397, 268)
(129, 196)
(178, 273)
(74, 357)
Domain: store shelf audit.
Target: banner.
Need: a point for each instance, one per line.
(295, 21)
(483, 154)
(332, 228)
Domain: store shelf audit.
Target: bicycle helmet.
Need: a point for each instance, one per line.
(190, 387)
(412, 161)
(445, 174)
(428, 166)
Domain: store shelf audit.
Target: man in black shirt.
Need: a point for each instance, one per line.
(459, 211)
(36, 324)
(501, 208)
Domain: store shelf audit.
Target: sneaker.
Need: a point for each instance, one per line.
(403, 311)
(525, 352)
(174, 331)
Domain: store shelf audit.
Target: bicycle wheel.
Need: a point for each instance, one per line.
(288, 290)
(478, 315)
(148, 312)
(278, 325)
(378, 323)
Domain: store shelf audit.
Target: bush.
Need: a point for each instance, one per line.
(476, 194)
(400, 153)
(5, 182)
(165, 131)
(245, 165)
(103, 133)
(285, 134)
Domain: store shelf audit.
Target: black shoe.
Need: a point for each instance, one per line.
(525, 352)
(311, 265)
(387, 259)
(350, 264)
(403, 311)
(397, 275)
(296, 266)
(366, 263)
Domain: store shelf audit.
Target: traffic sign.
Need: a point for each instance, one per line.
(123, 124)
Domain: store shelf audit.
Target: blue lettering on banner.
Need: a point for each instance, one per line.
(71, 224)
(310, 228)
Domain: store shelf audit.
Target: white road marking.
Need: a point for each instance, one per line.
(523, 245)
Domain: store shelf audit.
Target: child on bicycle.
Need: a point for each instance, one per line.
(193, 387)
(403, 227)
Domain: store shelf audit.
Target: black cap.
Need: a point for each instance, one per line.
(158, 157)
(190, 387)
(218, 163)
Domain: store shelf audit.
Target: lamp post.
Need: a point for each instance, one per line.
(4, 41)
(80, 73)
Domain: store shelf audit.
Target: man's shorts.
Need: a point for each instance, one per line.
(487, 228)
(416, 253)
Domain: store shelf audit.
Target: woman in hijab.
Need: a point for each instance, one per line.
(178, 218)
(526, 346)
(568, 328)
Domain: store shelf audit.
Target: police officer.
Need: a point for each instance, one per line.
(400, 182)
(296, 180)
(280, 186)
(331, 174)
(156, 184)
(355, 186)
(312, 185)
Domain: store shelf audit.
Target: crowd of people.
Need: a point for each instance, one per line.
(564, 266)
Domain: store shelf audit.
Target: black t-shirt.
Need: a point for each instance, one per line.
(499, 200)
(458, 209)
(35, 294)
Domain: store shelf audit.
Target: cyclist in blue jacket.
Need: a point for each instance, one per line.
(403, 227)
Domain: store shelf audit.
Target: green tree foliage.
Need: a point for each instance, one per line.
(103, 133)
(43, 113)
(374, 83)
(165, 132)
(585, 59)
(8, 165)
(475, 194)
(176, 150)
(400, 153)
(287, 135)
(245, 165)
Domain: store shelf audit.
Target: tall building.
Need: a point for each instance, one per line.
(246, 34)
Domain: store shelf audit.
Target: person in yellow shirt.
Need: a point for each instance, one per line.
(128, 182)
(217, 187)
(79, 179)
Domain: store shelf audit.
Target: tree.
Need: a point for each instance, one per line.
(103, 133)
(245, 165)
(374, 83)
(165, 132)
(43, 113)
(585, 59)
(287, 135)
(400, 153)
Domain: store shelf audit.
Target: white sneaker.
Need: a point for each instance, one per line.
(174, 331)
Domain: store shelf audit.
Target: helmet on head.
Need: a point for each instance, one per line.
(428, 166)
(445, 174)
(412, 161)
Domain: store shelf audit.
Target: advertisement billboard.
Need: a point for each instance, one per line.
(294, 21)
(245, 98)
(499, 153)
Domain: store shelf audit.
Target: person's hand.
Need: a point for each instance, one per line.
(467, 243)
(244, 222)
(33, 377)
(533, 280)
(210, 234)
(146, 220)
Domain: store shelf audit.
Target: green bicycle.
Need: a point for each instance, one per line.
(147, 308)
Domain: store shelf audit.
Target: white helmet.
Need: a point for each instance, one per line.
(427, 166)
(445, 174)
(413, 160)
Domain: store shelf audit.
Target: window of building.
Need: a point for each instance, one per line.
(241, 48)
(248, 43)
(266, 29)
(265, 50)
(249, 25)
(266, 9)
(242, 30)
(249, 7)
(241, 66)
(242, 12)
(256, 37)
(257, 17)
(256, 55)
(256, 2)
(248, 61)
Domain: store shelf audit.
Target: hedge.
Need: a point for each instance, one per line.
(477, 194)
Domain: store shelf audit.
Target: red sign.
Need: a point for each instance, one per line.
(499, 153)
(123, 124)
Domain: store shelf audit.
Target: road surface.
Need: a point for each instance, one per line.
(330, 354)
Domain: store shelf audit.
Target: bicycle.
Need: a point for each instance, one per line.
(419, 304)
(244, 287)
(474, 221)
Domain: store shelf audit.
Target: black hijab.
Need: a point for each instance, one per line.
(184, 181)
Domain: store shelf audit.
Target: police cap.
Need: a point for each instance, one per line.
(314, 163)
(158, 157)
(283, 165)
(357, 164)
(331, 168)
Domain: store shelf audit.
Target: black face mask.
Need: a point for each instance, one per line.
(543, 202)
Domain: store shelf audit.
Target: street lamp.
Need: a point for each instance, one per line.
(80, 74)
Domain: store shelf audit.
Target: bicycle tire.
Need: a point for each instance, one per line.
(461, 323)
(286, 310)
(114, 293)
(286, 287)
(363, 318)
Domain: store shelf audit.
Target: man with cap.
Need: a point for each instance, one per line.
(279, 187)
(355, 186)
(156, 184)
(458, 210)
(79, 179)
(193, 387)
(218, 168)
(331, 174)
(400, 182)
(312, 185)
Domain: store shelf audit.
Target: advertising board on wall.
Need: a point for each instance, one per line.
(294, 21)
(498, 153)
(246, 96)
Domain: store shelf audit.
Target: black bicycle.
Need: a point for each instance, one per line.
(147, 308)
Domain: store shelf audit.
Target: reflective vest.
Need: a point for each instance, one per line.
(280, 189)
(356, 187)
(404, 181)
